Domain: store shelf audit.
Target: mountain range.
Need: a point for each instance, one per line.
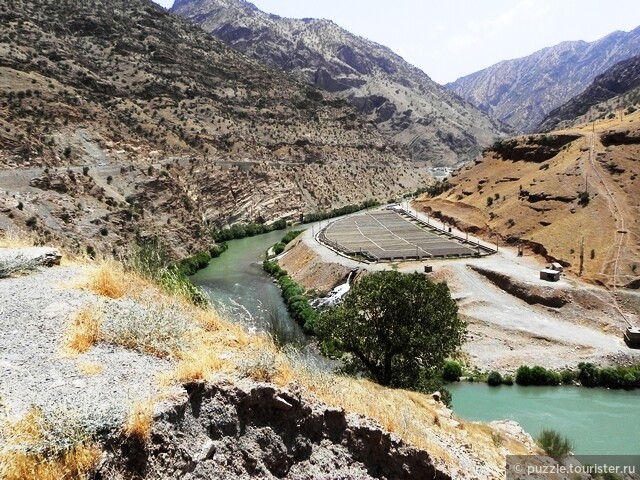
(621, 80)
(522, 92)
(405, 105)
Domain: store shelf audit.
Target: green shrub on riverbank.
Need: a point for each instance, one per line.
(452, 371)
(609, 377)
(279, 247)
(494, 379)
(290, 236)
(338, 212)
(537, 375)
(293, 296)
(554, 444)
(238, 231)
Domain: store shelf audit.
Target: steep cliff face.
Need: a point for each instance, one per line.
(405, 104)
(120, 119)
(523, 91)
(623, 77)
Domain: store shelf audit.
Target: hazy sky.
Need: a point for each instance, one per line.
(451, 38)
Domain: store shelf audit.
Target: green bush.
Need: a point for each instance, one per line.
(149, 258)
(554, 444)
(216, 250)
(452, 371)
(610, 378)
(507, 380)
(278, 248)
(536, 375)
(568, 377)
(583, 199)
(237, 231)
(189, 266)
(588, 374)
(290, 236)
(494, 379)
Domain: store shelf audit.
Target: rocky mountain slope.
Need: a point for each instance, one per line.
(553, 191)
(401, 100)
(623, 77)
(521, 92)
(120, 120)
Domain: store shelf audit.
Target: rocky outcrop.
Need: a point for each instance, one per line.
(620, 137)
(250, 430)
(17, 260)
(533, 148)
(523, 91)
(615, 81)
(407, 107)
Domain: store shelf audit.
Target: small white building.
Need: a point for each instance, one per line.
(549, 275)
(557, 267)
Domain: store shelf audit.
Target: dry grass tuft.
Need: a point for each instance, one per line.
(108, 279)
(83, 331)
(37, 447)
(90, 368)
(139, 422)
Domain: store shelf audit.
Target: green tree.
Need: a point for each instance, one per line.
(397, 329)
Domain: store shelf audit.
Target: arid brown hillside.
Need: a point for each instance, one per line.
(117, 118)
(551, 193)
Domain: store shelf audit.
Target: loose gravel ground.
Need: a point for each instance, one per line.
(34, 312)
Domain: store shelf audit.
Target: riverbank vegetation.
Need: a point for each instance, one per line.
(190, 265)
(239, 231)
(338, 212)
(293, 295)
(150, 260)
(586, 375)
(554, 444)
(279, 247)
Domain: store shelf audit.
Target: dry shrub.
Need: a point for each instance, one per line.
(108, 279)
(139, 421)
(160, 330)
(90, 368)
(83, 331)
(46, 447)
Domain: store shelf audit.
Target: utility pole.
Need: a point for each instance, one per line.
(586, 183)
(581, 256)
